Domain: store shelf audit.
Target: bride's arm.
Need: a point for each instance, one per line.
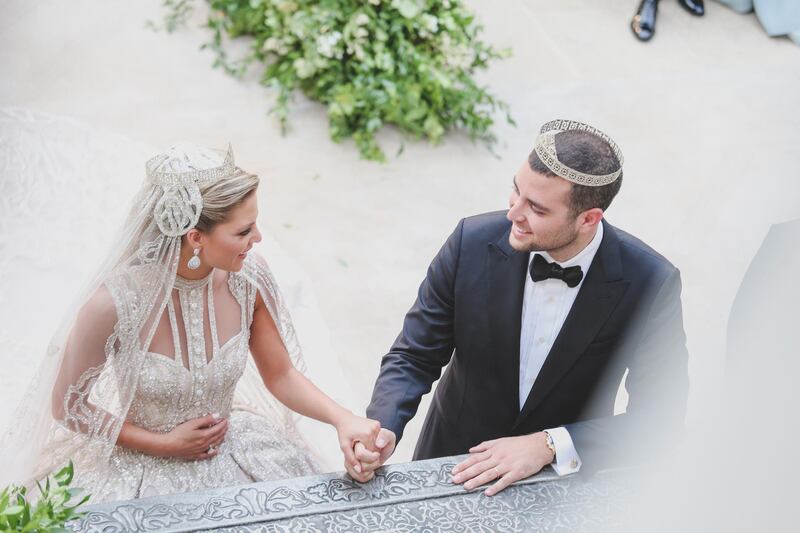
(85, 351)
(298, 393)
(194, 439)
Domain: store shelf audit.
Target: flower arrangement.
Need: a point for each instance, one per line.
(408, 63)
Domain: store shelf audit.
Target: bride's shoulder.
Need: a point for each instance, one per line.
(99, 311)
(133, 276)
(126, 284)
(100, 301)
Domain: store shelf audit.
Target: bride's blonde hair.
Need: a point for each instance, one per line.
(220, 197)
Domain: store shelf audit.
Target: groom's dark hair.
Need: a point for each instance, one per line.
(589, 154)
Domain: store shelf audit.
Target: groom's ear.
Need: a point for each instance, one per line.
(589, 219)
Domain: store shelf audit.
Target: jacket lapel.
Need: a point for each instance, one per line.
(598, 297)
(507, 269)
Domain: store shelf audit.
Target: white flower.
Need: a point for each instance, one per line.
(448, 22)
(375, 2)
(460, 57)
(408, 8)
(286, 7)
(358, 52)
(297, 24)
(456, 55)
(272, 44)
(429, 22)
(326, 43)
(361, 19)
(303, 68)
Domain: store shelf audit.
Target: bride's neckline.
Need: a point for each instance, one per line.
(183, 284)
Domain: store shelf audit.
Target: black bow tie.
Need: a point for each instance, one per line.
(541, 270)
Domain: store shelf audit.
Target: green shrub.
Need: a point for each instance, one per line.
(55, 507)
(409, 63)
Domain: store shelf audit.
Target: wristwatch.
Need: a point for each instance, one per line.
(550, 444)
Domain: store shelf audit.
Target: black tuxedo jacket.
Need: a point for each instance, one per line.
(627, 316)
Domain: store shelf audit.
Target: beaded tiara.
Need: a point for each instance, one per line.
(180, 172)
(184, 164)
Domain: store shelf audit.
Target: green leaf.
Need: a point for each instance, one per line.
(374, 124)
(441, 78)
(433, 128)
(50, 512)
(26, 514)
(37, 525)
(344, 101)
(416, 113)
(75, 493)
(64, 476)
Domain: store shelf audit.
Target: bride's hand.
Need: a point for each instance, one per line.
(198, 438)
(352, 429)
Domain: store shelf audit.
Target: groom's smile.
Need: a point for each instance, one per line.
(520, 233)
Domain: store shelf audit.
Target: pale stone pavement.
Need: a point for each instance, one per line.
(706, 115)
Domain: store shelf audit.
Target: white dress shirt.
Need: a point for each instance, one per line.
(545, 307)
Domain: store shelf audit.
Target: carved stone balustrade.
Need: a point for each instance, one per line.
(416, 496)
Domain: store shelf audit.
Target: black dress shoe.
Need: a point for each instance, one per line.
(695, 7)
(644, 22)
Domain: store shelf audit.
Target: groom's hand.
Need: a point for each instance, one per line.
(509, 459)
(384, 445)
(372, 459)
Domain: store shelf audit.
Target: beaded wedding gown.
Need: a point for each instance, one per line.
(94, 375)
(199, 353)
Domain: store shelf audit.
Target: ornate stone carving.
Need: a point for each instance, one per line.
(408, 497)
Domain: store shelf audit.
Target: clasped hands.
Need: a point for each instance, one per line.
(504, 461)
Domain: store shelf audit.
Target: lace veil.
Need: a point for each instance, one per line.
(83, 389)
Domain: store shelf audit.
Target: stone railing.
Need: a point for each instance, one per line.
(417, 496)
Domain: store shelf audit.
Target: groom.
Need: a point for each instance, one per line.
(539, 311)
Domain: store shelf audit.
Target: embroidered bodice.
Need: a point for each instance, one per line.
(197, 356)
(200, 376)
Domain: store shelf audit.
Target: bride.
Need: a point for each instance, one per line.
(159, 384)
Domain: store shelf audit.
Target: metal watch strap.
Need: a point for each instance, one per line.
(550, 444)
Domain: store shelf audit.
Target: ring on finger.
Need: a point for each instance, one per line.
(211, 449)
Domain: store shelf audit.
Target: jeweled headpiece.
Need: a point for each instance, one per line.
(181, 171)
(545, 148)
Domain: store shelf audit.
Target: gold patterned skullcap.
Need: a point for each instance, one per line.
(545, 148)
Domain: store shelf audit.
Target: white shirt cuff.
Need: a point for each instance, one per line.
(567, 460)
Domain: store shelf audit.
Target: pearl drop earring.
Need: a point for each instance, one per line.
(194, 262)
